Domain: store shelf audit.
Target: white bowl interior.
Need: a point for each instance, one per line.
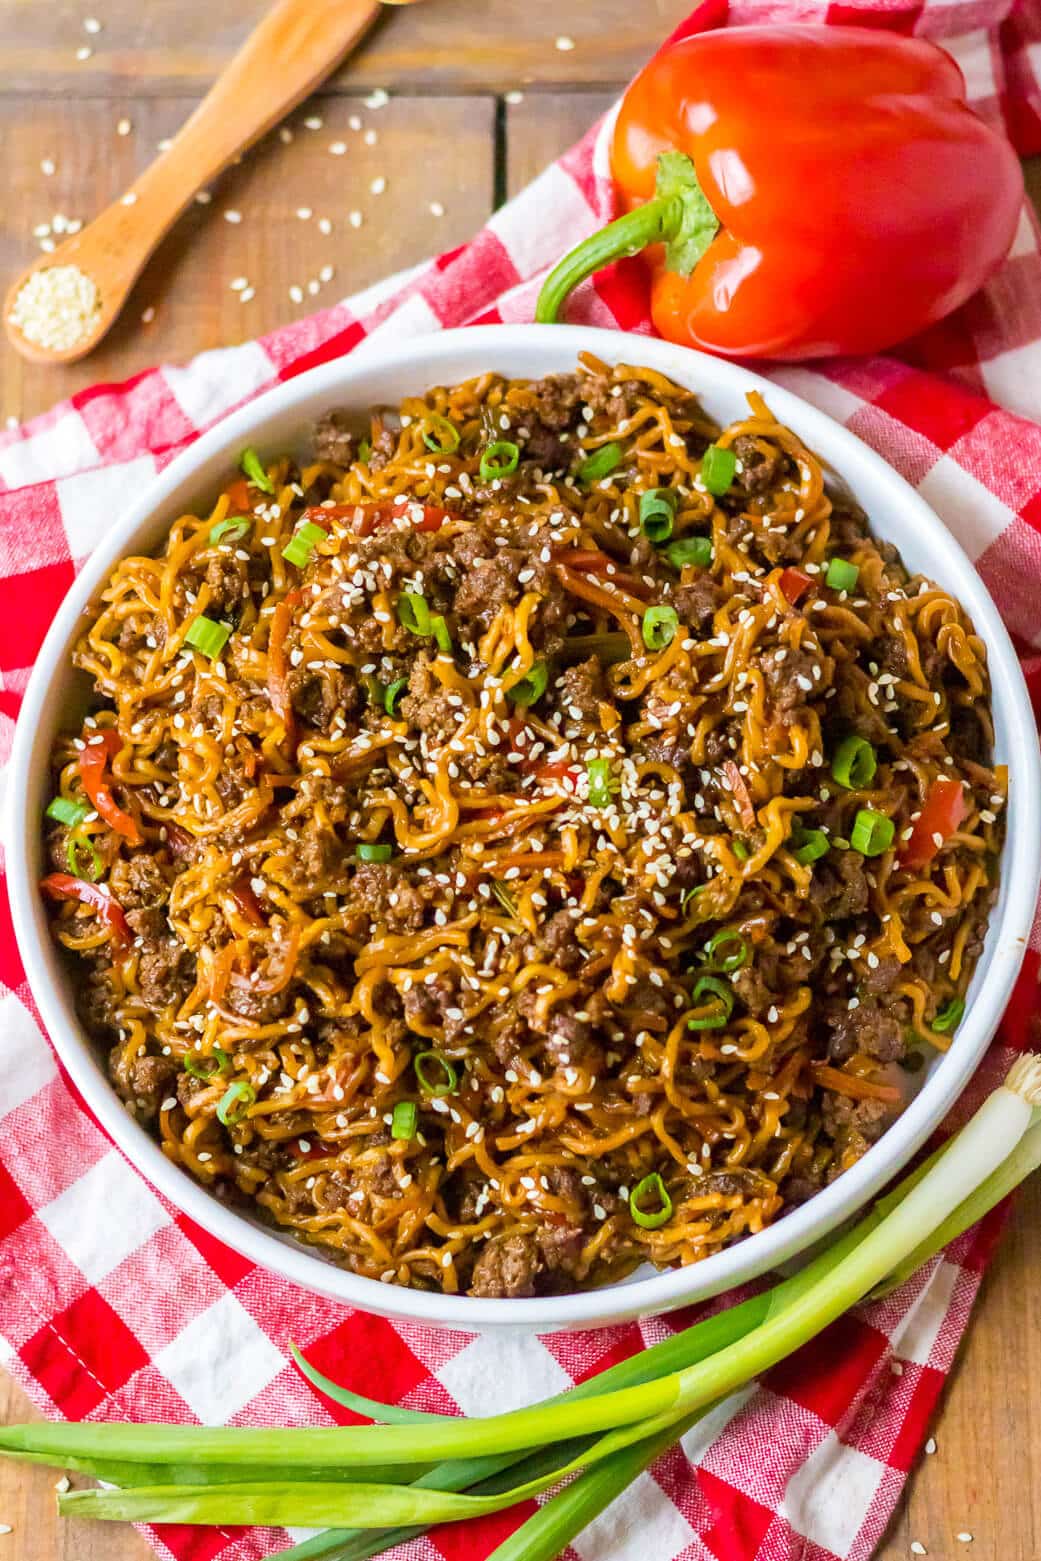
(377, 373)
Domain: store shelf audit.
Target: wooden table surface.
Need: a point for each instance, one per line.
(482, 97)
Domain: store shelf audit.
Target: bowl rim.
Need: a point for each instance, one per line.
(756, 1254)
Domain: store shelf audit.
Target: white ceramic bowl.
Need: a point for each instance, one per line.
(279, 420)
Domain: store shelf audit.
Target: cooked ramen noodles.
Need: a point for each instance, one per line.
(537, 833)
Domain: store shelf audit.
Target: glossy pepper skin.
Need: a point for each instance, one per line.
(858, 197)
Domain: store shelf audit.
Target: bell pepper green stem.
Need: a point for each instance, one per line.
(678, 216)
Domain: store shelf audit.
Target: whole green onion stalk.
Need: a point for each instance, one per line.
(408, 1475)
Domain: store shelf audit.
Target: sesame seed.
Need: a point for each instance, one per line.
(564, 44)
(129, 199)
(964, 1538)
(355, 219)
(930, 1446)
(436, 209)
(48, 166)
(917, 1548)
(514, 97)
(84, 52)
(296, 294)
(304, 213)
(315, 122)
(233, 216)
(124, 127)
(338, 148)
(377, 99)
(378, 185)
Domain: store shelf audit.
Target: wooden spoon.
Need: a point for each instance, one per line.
(292, 50)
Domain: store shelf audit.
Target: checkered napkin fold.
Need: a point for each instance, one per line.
(115, 1307)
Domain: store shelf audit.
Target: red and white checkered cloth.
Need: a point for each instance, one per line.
(113, 1306)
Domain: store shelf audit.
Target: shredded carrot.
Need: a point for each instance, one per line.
(856, 1088)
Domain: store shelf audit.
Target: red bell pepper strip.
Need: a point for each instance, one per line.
(98, 751)
(369, 516)
(942, 811)
(63, 886)
(794, 583)
(891, 204)
(242, 893)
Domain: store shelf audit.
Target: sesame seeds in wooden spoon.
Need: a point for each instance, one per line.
(60, 308)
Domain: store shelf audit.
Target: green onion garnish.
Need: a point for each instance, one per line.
(654, 1218)
(440, 435)
(364, 450)
(855, 763)
(601, 463)
(227, 1112)
(949, 1016)
(499, 460)
(83, 857)
(735, 957)
(446, 1082)
(716, 1018)
(841, 576)
(813, 844)
(65, 811)
(690, 550)
(302, 543)
(403, 1119)
(414, 613)
(599, 773)
(531, 687)
(717, 469)
(220, 1062)
(504, 897)
(392, 694)
(657, 513)
(689, 894)
(250, 464)
(441, 634)
(739, 849)
(231, 529)
(369, 851)
(659, 627)
(872, 832)
(208, 636)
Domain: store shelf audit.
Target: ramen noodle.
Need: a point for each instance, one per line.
(538, 834)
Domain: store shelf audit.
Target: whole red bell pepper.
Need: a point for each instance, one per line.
(803, 190)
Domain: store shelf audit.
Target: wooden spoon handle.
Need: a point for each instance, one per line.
(288, 54)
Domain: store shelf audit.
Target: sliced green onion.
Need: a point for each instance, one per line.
(231, 529)
(717, 469)
(302, 543)
(79, 847)
(657, 513)
(403, 1119)
(65, 811)
(689, 894)
(659, 627)
(448, 1082)
(499, 460)
(364, 450)
(414, 613)
(369, 851)
(208, 636)
(601, 463)
(441, 634)
(251, 466)
(227, 1112)
(950, 1016)
(813, 844)
(219, 1062)
(715, 1019)
(736, 957)
(392, 694)
(599, 773)
(872, 832)
(440, 435)
(504, 897)
(650, 1219)
(855, 763)
(739, 849)
(841, 575)
(690, 550)
(531, 687)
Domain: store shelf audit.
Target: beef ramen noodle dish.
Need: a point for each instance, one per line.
(535, 833)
